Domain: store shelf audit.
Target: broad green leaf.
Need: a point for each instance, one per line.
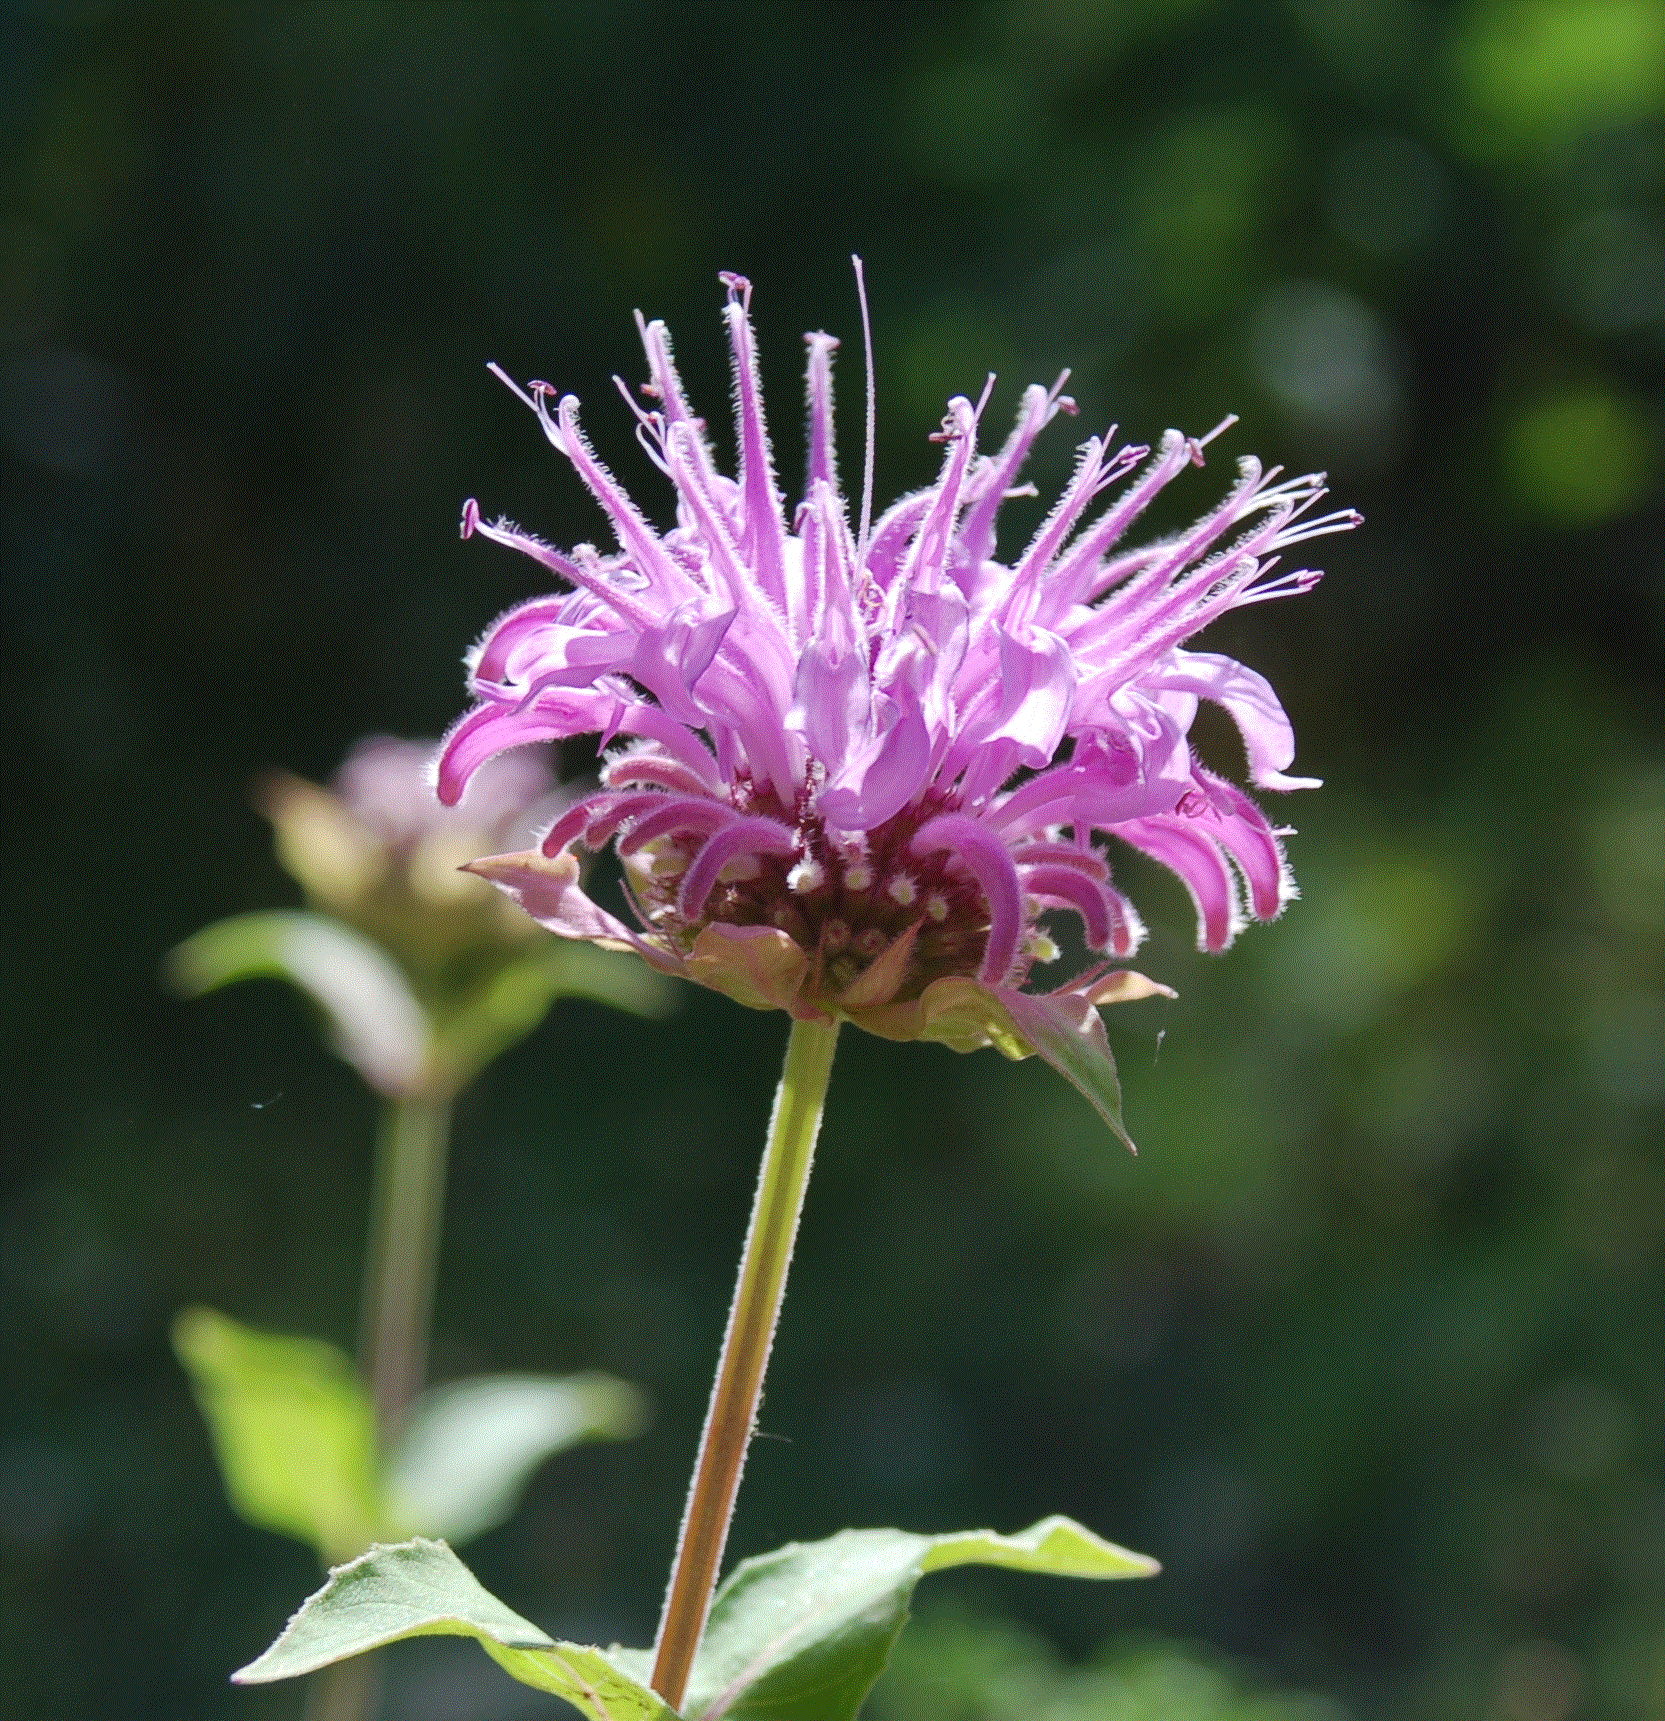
(469, 1447)
(376, 1023)
(801, 1634)
(412, 1589)
(421, 1589)
(797, 1635)
(292, 1427)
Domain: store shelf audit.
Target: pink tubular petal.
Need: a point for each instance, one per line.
(629, 607)
(1202, 869)
(681, 743)
(493, 728)
(671, 584)
(1078, 859)
(996, 475)
(885, 779)
(1076, 891)
(744, 836)
(653, 768)
(990, 863)
(1038, 679)
(573, 823)
(1243, 831)
(1247, 697)
(823, 444)
(657, 817)
(926, 561)
(763, 531)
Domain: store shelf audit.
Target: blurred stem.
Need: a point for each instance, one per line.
(348, 1691)
(751, 1331)
(407, 1207)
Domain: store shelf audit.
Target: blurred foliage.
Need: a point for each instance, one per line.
(1366, 1345)
(966, 1667)
(295, 1434)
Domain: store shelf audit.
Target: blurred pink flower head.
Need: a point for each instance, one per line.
(387, 784)
(376, 849)
(849, 763)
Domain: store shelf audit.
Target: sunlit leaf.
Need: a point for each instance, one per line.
(412, 1589)
(421, 1589)
(469, 1448)
(1068, 1032)
(802, 1633)
(377, 1025)
(292, 1427)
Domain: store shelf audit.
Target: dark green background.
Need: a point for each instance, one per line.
(1366, 1344)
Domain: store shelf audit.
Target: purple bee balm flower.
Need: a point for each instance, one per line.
(858, 768)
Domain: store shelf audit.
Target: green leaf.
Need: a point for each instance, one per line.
(292, 1427)
(518, 996)
(376, 1023)
(414, 1589)
(1068, 1032)
(469, 1447)
(421, 1589)
(802, 1634)
(797, 1635)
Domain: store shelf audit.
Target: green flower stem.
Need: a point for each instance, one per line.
(407, 1207)
(751, 1331)
(348, 1691)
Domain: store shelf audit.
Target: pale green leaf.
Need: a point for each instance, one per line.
(421, 1589)
(801, 1634)
(590, 1679)
(412, 1589)
(469, 1448)
(376, 1023)
(292, 1427)
(797, 1635)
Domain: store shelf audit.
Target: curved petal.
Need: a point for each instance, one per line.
(990, 863)
(1248, 698)
(1202, 869)
(744, 836)
(490, 728)
(549, 891)
(888, 775)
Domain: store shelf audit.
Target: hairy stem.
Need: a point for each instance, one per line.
(407, 1206)
(751, 1331)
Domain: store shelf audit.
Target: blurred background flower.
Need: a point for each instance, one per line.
(1367, 1343)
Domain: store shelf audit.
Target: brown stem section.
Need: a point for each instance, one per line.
(751, 1331)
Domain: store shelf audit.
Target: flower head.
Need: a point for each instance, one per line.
(375, 849)
(853, 771)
